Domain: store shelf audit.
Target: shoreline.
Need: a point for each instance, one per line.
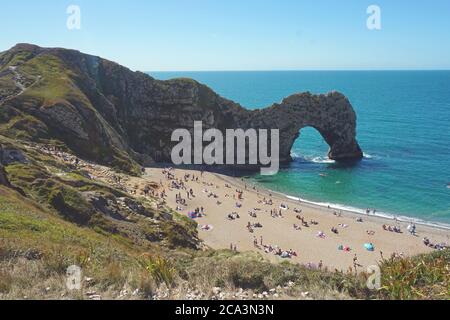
(389, 217)
(361, 212)
(280, 231)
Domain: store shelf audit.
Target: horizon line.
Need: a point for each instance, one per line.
(301, 70)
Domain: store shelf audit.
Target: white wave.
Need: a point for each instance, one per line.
(322, 160)
(390, 216)
(295, 155)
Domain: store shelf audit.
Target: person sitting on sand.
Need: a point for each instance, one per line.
(206, 227)
(334, 230)
(321, 235)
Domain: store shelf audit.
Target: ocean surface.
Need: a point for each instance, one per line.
(403, 129)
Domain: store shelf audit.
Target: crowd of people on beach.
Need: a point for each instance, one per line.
(238, 196)
(273, 249)
(185, 193)
(390, 228)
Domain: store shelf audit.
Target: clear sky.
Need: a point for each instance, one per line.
(160, 35)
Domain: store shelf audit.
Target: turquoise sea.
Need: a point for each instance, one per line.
(403, 129)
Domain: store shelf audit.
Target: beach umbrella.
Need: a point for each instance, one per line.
(369, 247)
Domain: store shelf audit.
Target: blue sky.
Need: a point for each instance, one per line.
(160, 35)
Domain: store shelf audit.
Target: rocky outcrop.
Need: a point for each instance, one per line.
(9, 156)
(331, 115)
(3, 177)
(107, 113)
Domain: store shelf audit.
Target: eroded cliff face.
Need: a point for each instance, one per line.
(3, 176)
(331, 114)
(107, 113)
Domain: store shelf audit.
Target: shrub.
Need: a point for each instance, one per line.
(422, 277)
(5, 281)
(159, 268)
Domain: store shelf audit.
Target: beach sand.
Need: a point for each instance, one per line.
(280, 231)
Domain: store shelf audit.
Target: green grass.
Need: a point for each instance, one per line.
(54, 227)
(113, 261)
(423, 277)
(55, 83)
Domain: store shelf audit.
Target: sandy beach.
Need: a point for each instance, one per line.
(313, 243)
(228, 205)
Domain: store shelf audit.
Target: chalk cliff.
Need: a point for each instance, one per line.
(107, 113)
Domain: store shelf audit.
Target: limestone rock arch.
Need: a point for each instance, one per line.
(330, 114)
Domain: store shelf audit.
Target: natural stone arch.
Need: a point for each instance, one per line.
(331, 115)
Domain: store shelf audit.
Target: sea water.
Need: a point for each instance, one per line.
(403, 129)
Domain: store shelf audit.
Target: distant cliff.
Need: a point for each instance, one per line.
(107, 113)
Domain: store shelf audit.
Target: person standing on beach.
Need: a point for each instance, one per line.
(355, 261)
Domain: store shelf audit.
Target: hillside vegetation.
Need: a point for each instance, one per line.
(49, 221)
(54, 215)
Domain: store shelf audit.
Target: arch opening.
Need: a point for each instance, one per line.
(310, 145)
